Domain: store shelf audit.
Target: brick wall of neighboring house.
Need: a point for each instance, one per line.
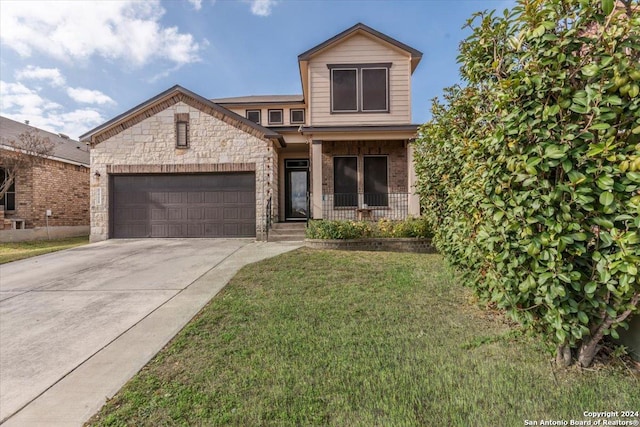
(64, 189)
(61, 187)
(396, 151)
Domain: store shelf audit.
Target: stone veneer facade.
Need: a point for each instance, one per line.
(52, 185)
(149, 146)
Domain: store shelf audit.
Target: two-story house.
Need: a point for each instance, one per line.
(181, 165)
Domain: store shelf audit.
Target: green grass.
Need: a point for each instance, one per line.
(21, 250)
(329, 338)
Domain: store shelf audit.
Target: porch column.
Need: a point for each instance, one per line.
(316, 178)
(414, 199)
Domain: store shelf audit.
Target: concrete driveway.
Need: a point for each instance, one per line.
(76, 325)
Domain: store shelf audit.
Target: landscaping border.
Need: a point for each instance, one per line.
(389, 244)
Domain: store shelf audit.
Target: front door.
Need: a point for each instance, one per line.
(296, 188)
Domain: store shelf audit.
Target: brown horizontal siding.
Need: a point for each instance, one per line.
(361, 49)
(176, 168)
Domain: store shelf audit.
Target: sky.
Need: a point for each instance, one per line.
(69, 66)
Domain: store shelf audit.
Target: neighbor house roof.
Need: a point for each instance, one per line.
(171, 96)
(260, 99)
(64, 148)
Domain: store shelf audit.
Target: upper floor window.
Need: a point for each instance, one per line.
(360, 88)
(254, 116)
(297, 115)
(275, 117)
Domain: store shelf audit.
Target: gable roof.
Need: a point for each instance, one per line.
(170, 97)
(416, 55)
(65, 149)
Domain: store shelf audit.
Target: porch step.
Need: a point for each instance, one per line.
(287, 232)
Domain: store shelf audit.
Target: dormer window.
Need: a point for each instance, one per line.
(360, 88)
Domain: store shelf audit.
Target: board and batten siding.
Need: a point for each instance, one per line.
(360, 49)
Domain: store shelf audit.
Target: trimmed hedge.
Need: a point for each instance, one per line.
(384, 228)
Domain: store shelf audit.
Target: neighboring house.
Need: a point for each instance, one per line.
(180, 165)
(58, 184)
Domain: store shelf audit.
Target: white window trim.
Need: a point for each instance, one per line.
(291, 116)
(246, 114)
(273, 110)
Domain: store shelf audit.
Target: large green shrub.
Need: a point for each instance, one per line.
(530, 175)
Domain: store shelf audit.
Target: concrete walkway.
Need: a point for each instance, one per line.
(77, 324)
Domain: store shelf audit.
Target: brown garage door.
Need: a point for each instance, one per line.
(201, 205)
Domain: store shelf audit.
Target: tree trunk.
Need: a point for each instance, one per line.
(563, 355)
(591, 347)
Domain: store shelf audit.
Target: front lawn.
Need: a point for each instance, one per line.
(20, 250)
(333, 338)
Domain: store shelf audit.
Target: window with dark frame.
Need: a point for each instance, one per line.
(182, 130)
(345, 181)
(344, 90)
(254, 116)
(376, 188)
(275, 117)
(8, 201)
(360, 88)
(374, 89)
(182, 139)
(297, 116)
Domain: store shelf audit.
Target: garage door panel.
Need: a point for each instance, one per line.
(248, 214)
(196, 213)
(213, 230)
(212, 197)
(174, 205)
(230, 197)
(246, 197)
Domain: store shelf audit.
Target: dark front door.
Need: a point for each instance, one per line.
(198, 205)
(296, 188)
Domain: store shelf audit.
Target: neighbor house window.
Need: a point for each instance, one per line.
(275, 117)
(254, 116)
(297, 116)
(359, 88)
(8, 201)
(345, 181)
(376, 189)
(182, 130)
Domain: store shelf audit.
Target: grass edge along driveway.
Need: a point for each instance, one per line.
(332, 338)
(14, 251)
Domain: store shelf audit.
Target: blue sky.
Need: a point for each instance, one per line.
(70, 66)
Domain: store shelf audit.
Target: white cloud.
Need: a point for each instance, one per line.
(88, 96)
(197, 4)
(21, 103)
(37, 73)
(16, 96)
(262, 7)
(70, 31)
